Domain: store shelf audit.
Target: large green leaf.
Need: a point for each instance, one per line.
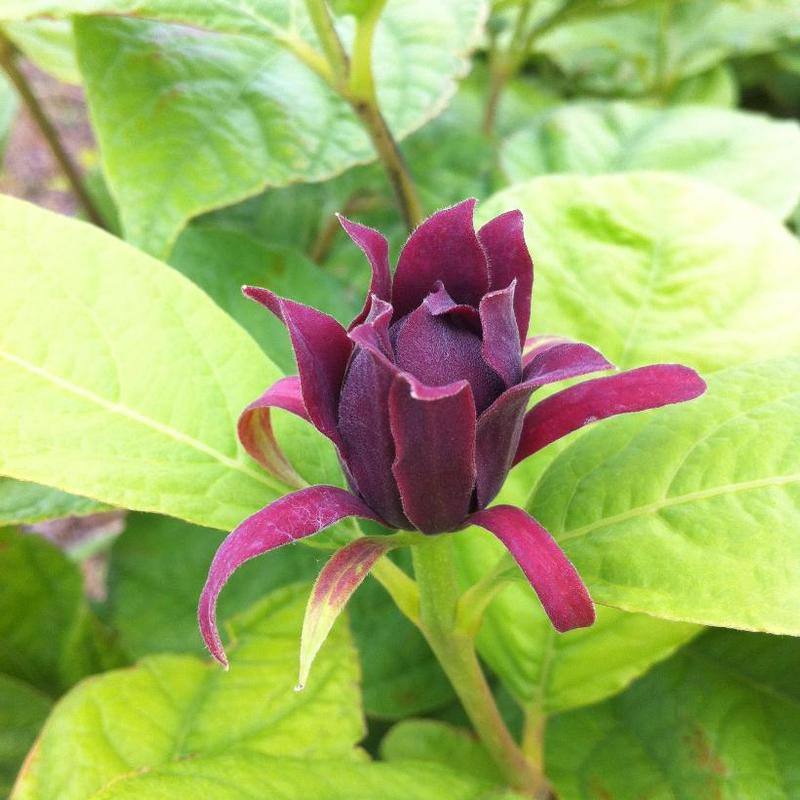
(651, 267)
(691, 512)
(721, 719)
(22, 502)
(174, 726)
(121, 380)
(191, 121)
(650, 46)
(750, 154)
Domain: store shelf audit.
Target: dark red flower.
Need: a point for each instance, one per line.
(425, 399)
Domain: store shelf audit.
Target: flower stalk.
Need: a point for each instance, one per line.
(353, 79)
(435, 571)
(8, 62)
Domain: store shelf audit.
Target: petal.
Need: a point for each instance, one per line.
(497, 437)
(636, 390)
(503, 240)
(255, 428)
(439, 303)
(334, 586)
(322, 350)
(550, 573)
(500, 426)
(434, 439)
(560, 359)
(445, 247)
(287, 520)
(364, 417)
(375, 247)
(500, 349)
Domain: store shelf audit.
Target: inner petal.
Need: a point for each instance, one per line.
(438, 352)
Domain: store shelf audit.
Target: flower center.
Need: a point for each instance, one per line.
(438, 352)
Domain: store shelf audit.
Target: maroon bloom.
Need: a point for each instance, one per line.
(425, 397)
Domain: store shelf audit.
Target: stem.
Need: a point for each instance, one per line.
(533, 738)
(498, 78)
(503, 65)
(400, 587)
(393, 162)
(329, 38)
(434, 568)
(48, 130)
(363, 97)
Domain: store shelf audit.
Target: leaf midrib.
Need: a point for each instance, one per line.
(669, 502)
(137, 417)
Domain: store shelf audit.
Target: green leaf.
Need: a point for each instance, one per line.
(720, 719)
(23, 503)
(651, 268)
(50, 637)
(121, 380)
(691, 512)
(214, 126)
(430, 740)
(174, 726)
(49, 43)
(649, 47)
(23, 710)
(749, 154)
(715, 87)
(170, 707)
(253, 775)
(8, 111)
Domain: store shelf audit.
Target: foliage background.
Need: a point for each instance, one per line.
(654, 148)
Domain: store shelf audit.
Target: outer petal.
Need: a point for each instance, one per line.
(364, 417)
(503, 239)
(551, 574)
(635, 390)
(288, 519)
(322, 350)
(500, 347)
(375, 247)
(500, 426)
(255, 428)
(560, 359)
(334, 586)
(434, 438)
(445, 247)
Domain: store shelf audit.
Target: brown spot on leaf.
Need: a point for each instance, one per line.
(703, 753)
